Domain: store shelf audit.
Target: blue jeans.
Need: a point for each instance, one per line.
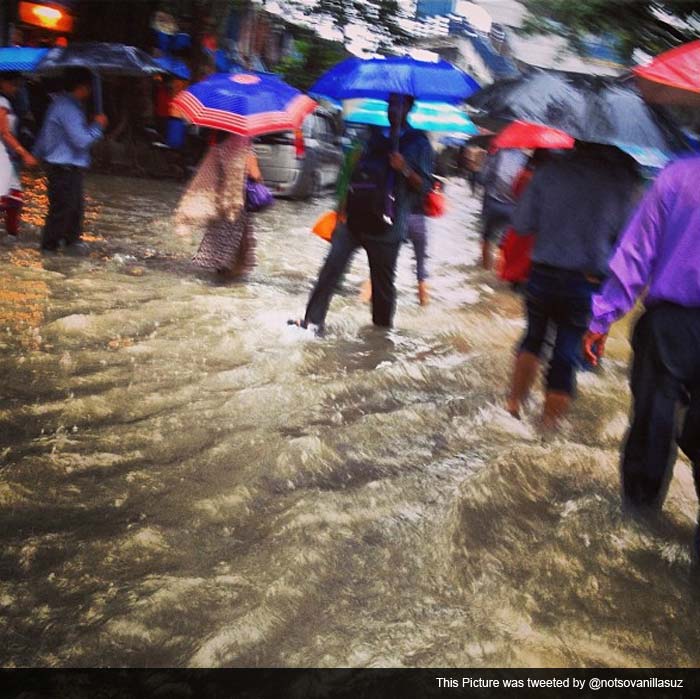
(558, 306)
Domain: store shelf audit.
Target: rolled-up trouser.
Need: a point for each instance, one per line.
(558, 305)
(382, 266)
(64, 220)
(665, 382)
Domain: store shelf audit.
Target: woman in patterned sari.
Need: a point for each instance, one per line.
(215, 201)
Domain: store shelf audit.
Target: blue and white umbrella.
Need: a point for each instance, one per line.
(247, 104)
(426, 116)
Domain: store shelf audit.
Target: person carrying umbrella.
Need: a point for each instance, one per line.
(64, 144)
(222, 194)
(391, 175)
(575, 206)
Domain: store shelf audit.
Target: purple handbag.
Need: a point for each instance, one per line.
(257, 196)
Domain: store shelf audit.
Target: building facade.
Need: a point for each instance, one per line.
(433, 8)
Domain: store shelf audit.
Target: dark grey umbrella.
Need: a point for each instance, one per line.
(587, 107)
(102, 59)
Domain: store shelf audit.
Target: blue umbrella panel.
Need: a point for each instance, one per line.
(20, 59)
(377, 78)
(426, 116)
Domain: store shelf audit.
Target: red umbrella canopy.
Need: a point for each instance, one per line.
(672, 77)
(524, 135)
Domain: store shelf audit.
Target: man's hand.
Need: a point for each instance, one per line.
(594, 346)
(397, 162)
(102, 120)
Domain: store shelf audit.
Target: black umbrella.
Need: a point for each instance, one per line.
(101, 59)
(587, 107)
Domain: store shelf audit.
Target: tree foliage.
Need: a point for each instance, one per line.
(381, 18)
(313, 57)
(650, 26)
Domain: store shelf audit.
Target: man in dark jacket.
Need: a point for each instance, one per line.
(575, 207)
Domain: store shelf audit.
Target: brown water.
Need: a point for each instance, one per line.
(184, 480)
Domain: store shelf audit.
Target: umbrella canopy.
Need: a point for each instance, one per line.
(20, 58)
(521, 134)
(377, 78)
(102, 58)
(427, 116)
(672, 77)
(589, 108)
(174, 66)
(247, 104)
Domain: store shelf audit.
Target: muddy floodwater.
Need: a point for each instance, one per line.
(186, 481)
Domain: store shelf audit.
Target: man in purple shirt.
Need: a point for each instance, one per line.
(658, 252)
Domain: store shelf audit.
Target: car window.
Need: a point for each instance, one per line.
(326, 129)
(308, 127)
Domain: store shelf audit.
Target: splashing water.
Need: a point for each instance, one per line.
(185, 480)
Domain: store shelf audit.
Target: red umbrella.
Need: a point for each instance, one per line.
(524, 135)
(672, 77)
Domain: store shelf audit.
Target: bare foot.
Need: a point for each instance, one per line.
(366, 291)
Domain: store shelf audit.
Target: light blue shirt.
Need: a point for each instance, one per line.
(66, 137)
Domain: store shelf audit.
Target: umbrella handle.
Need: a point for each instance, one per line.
(97, 93)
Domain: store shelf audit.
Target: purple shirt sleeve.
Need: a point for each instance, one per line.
(632, 264)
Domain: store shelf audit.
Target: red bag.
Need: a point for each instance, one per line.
(516, 251)
(434, 202)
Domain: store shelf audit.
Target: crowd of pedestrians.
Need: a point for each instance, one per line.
(590, 250)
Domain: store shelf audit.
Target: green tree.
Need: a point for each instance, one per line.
(650, 26)
(313, 57)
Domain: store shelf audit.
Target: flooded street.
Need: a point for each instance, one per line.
(186, 481)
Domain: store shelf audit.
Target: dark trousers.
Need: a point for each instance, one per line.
(558, 305)
(665, 385)
(382, 267)
(65, 218)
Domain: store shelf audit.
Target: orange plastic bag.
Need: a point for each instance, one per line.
(325, 225)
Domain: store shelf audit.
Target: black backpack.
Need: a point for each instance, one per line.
(366, 204)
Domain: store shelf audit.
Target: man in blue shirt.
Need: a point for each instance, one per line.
(385, 186)
(64, 145)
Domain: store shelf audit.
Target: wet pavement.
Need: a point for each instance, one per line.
(185, 480)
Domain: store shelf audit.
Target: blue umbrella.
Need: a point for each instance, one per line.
(20, 58)
(174, 66)
(377, 78)
(426, 116)
(247, 104)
